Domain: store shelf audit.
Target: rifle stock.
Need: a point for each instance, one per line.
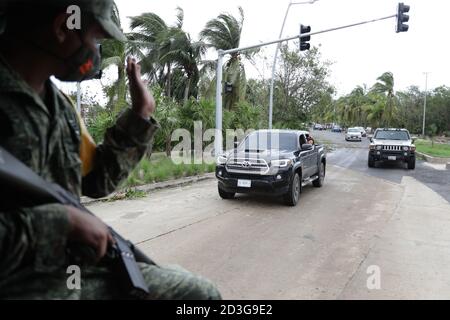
(21, 187)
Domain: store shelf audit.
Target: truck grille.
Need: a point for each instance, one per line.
(392, 148)
(249, 166)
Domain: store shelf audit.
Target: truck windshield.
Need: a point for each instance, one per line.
(260, 141)
(391, 135)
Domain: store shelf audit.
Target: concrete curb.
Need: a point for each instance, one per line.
(435, 160)
(155, 186)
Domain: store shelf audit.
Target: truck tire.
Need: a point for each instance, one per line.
(225, 195)
(291, 198)
(371, 162)
(318, 183)
(412, 163)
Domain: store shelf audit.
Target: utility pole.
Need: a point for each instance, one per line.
(425, 103)
(218, 142)
(274, 65)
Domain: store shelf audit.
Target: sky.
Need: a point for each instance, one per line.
(359, 54)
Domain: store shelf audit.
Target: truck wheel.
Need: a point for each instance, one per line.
(412, 163)
(318, 183)
(225, 195)
(291, 198)
(371, 162)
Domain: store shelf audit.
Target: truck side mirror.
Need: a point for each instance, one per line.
(371, 139)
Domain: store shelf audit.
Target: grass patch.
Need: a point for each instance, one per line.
(162, 169)
(440, 150)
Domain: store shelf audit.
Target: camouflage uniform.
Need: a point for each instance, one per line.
(45, 135)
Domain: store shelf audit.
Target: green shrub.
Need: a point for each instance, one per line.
(162, 169)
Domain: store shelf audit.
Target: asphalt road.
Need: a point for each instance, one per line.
(353, 155)
(390, 219)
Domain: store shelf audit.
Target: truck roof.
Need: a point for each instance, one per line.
(282, 131)
(393, 129)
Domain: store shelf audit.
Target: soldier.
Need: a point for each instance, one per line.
(39, 126)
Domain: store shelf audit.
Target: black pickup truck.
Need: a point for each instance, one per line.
(274, 162)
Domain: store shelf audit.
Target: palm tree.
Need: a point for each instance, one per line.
(385, 86)
(167, 53)
(357, 100)
(224, 33)
(375, 110)
(185, 54)
(114, 53)
(151, 32)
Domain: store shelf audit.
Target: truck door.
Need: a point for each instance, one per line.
(306, 158)
(314, 159)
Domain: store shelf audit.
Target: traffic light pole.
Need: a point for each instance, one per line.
(218, 142)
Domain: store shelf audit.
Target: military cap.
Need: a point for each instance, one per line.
(100, 10)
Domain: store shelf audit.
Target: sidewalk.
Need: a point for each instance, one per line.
(154, 186)
(412, 252)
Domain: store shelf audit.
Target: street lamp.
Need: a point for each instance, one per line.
(425, 102)
(276, 57)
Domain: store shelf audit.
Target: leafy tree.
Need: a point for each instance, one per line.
(301, 85)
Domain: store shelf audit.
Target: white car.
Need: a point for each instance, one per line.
(363, 131)
(353, 134)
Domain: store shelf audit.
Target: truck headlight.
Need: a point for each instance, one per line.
(221, 160)
(379, 147)
(281, 163)
(405, 148)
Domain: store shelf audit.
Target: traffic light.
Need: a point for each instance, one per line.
(402, 17)
(228, 87)
(304, 45)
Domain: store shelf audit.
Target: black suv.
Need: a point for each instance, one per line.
(275, 162)
(392, 145)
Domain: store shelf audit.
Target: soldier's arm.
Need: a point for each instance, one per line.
(127, 142)
(34, 237)
(124, 146)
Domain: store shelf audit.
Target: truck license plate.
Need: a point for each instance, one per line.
(393, 158)
(244, 183)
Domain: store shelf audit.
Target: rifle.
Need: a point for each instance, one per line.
(21, 187)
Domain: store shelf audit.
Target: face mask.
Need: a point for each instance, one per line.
(83, 65)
